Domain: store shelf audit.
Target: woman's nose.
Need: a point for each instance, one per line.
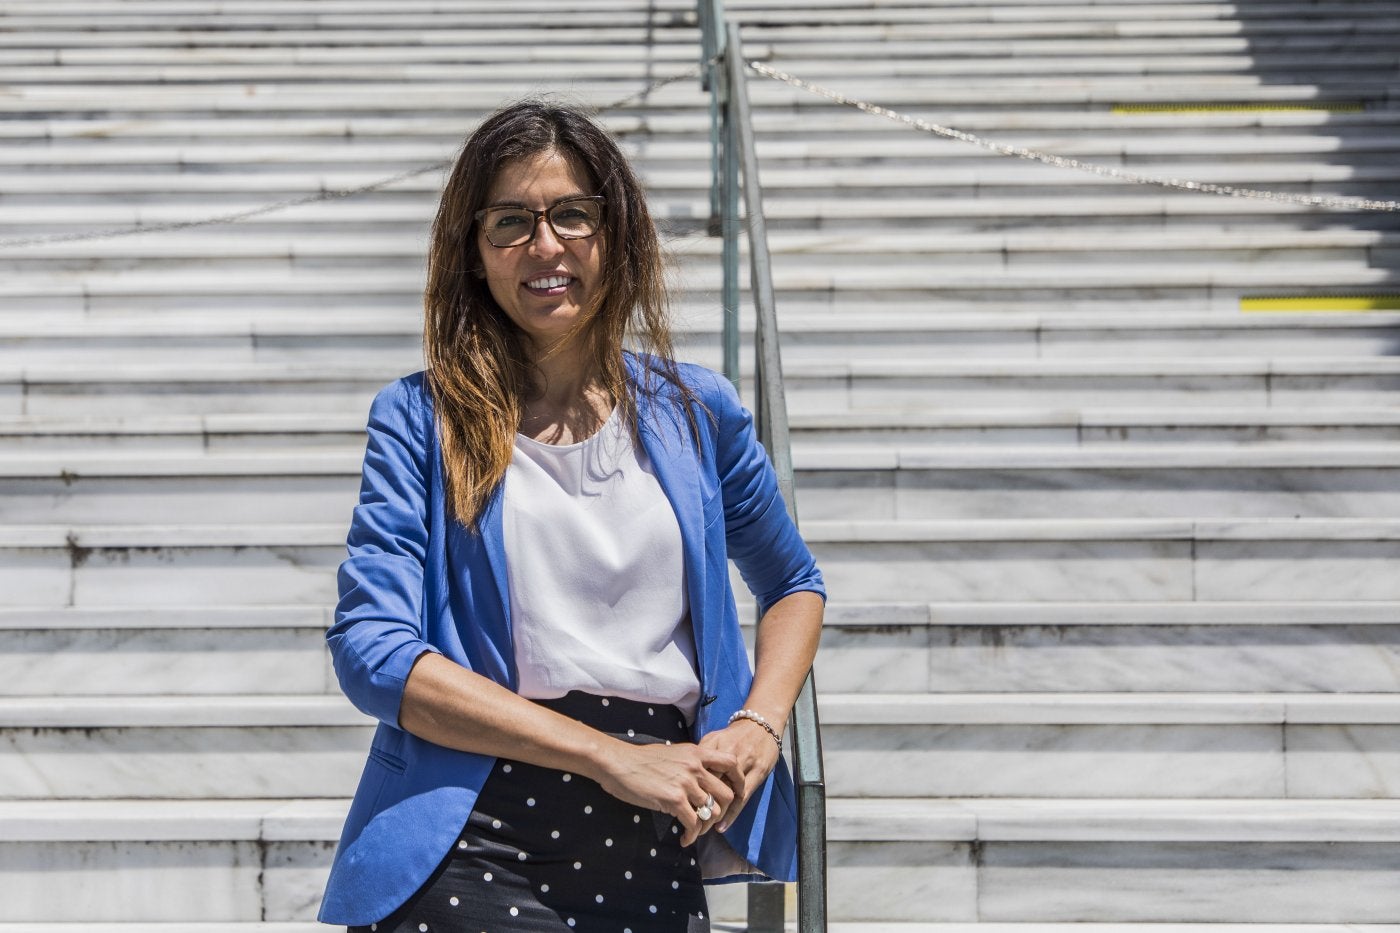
(546, 242)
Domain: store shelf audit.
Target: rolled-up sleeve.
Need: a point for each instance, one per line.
(760, 536)
(377, 634)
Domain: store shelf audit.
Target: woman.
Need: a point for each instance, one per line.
(536, 602)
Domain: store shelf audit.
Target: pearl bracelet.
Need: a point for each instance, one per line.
(751, 716)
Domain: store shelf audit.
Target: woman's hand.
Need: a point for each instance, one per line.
(677, 779)
(756, 755)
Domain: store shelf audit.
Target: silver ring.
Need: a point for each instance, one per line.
(703, 813)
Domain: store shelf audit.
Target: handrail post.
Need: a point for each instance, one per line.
(732, 148)
(729, 248)
(712, 39)
(771, 412)
(724, 178)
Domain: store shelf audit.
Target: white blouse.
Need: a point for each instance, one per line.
(596, 573)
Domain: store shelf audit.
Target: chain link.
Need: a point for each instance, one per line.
(1334, 203)
(331, 194)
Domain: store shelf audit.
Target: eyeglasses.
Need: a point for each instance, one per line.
(574, 219)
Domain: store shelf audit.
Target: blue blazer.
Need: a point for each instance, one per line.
(416, 582)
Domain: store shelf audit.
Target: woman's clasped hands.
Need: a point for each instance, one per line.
(704, 786)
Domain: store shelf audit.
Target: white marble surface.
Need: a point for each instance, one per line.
(181, 763)
(1301, 569)
(35, 576)
(1302, 390)
(826, 494)
(1262, 658)
(193, 616)
(294, 877)
(1189, 882)
(902, 881)
(971, 570)
(1055, 709)
(1150, 492)
(173, 499)
(894, 658)
(1191, 820)
(871, 393)
(178, 712)
(1202, 340)
(1054, 761)
(812, 393)
(130, 880)
(115, 662)
(1344, 760)
(84, 399)
(253, 575)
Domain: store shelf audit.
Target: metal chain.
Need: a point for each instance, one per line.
(324, 194)
(1336, 203)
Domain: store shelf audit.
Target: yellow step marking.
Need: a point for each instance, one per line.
(1320, 303)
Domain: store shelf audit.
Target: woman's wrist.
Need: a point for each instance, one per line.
(774, 730)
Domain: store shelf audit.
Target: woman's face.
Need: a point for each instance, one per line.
(545, 285)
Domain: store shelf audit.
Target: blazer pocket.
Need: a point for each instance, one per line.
(393, 762)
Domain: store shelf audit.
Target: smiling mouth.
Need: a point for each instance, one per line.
(549, 284)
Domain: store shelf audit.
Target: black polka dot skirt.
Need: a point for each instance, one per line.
(545, 850)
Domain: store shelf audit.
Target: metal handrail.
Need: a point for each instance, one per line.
(732, 149)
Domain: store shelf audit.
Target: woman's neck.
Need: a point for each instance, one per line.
(573, 401)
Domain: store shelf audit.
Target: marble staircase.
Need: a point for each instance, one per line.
(1115, 634)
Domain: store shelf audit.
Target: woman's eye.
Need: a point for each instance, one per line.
(505, 221)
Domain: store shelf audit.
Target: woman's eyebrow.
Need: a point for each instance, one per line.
(521, 204)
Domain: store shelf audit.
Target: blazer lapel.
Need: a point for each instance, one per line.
(493, 540)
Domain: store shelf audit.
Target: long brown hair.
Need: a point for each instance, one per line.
(478, 362)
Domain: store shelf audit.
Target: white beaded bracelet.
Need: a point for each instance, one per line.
(751, 716)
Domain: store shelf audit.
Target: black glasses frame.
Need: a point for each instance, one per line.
(548, 215)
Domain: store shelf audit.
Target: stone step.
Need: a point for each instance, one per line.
(857, 385)
(54, 100)
(1034, 21)
(1091, 559)
(1106, 745)
(838, 127)
(900, 55)
(1093, 427)
(834, 483)
(396, 214)
(217, 245)
(991, 860)
(1271, 157)
(876, 745)
(1054, 560)
(1006, 179)
(164, 748)
(487, 16)
(1109, 647)
(1025, 288)
(226, 651)
(140, 66)
(854, 386)
(385, 338)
